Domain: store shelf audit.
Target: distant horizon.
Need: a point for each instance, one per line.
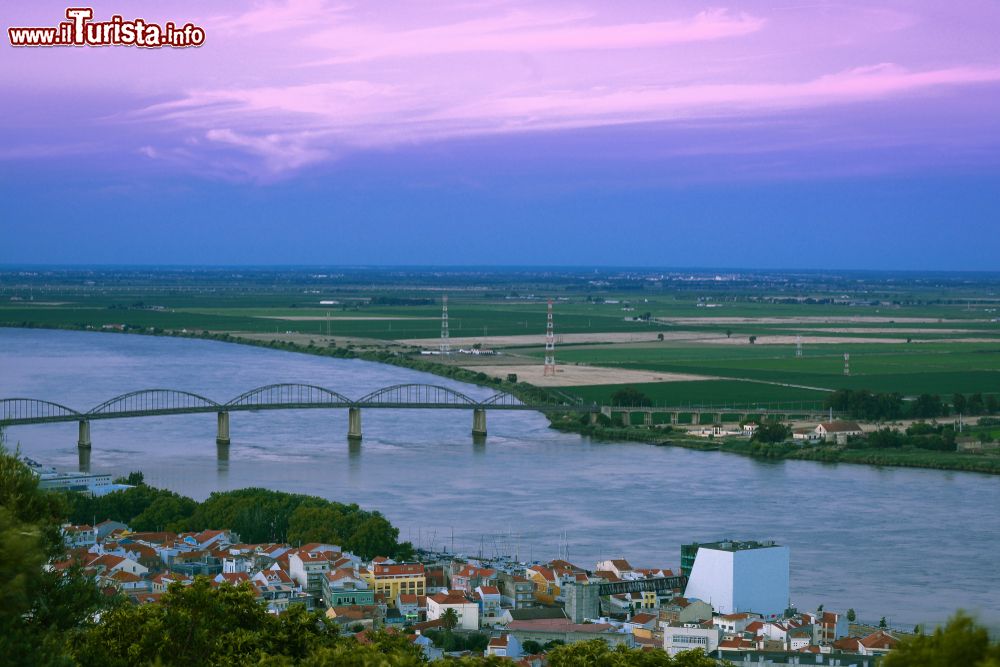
(493, 268)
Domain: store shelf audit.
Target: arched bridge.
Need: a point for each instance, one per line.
(156, 402)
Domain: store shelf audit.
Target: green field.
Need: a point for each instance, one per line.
(720, 393)
(385, 306)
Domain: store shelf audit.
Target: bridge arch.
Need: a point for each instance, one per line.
(503, 399)
(153, 400)
(15, 409)
(289, 394)
(408, 394)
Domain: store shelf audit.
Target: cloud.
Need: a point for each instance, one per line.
(280, 152)
(531, 32)
(290, 128)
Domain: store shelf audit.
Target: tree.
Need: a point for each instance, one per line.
(37, 607)
(771, 432)
(598, 652)
(729, 332)
(960, 642)
(449, 619)
(631, 397)
(851, 616)
(882, 623)
(753, 339)
(531, 647)
(200, 624)
(958, 403)
(659, 336)
(927, 406)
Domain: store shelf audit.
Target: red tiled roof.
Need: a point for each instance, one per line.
(879, 640)
(451, 597)
(840, 426)
(559, 625)
(399, 569)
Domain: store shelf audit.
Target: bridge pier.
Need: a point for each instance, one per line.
(647, 418)
(673, 417)
(593, 418)
(479, 421)
(83, 454)
(222, 434)
(353, 423)
(83, 441)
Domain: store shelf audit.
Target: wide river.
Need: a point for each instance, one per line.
(913, 545)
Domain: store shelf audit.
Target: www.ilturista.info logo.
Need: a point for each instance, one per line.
(80, 30)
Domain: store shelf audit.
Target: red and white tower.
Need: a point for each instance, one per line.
(550, 345)
(445, 347)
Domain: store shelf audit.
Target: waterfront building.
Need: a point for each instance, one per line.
(738, 577)
(838, 431)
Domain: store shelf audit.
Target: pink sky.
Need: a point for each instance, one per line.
(282, 86)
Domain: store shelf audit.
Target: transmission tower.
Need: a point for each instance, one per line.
(847, 363)
(550, 345)
(798, 346)
(445, 347)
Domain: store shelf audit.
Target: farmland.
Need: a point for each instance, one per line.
(709, 339)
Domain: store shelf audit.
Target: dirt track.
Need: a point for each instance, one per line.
(576, 376)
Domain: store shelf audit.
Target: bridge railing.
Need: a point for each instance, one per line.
(154, 401)
(289, 394)
(24, 409)
(416, 394)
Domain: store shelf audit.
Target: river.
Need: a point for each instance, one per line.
(913, 545)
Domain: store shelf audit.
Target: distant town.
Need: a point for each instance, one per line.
(729, 599)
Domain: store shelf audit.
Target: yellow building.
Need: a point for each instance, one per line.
(392, 579)
(549, 579)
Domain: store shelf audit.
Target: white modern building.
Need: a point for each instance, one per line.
(679, 637)
(737, 577)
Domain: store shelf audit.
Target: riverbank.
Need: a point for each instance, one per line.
(904, 457)
(383, 354)
(907, 457)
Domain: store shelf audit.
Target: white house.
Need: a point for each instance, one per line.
(839, 431)
(467, 610)
(505, 646)
(621, 567)
(734, 623)
(689, 636)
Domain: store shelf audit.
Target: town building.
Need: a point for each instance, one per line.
(466, 609)
(678, 637)
(391, 579)
(839, 431)
(736, 577)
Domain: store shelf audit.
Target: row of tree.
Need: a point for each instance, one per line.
(865, 404)
(257, 515)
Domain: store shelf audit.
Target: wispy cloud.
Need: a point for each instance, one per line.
(529, 32)
(288, 128)
(287, 84)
